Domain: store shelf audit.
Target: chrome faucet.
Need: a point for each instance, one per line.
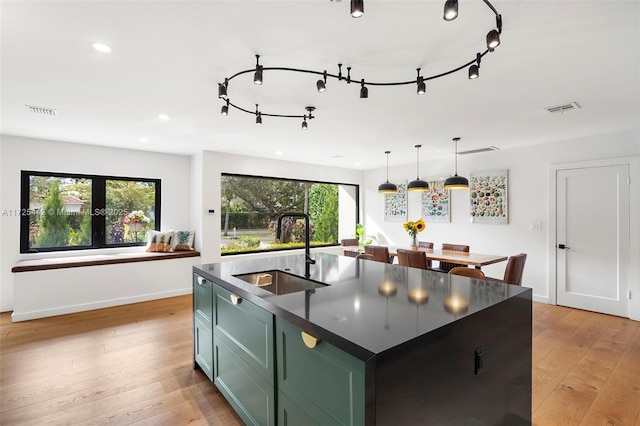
(308, 260)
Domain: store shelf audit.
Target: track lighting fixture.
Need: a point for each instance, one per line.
(474, 70)
(387, 187)
(304, 123)
(321, 85)
(418, 185)
(422, 87)
(258, 116)
(455, 181)
(309, 109)
(364, 92)
(257, 76)
(357, 7)
(222, 89)
(450, 10)
(225, 108)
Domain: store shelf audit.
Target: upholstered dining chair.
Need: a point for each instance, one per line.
(513, 271)
(446, 266)
(349, 242)
(412, 258)
(467, 272)
(425, 244)
(379, 253)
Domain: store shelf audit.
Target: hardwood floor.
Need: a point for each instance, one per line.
(133, 364)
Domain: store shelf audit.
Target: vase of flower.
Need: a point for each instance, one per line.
(413, 228)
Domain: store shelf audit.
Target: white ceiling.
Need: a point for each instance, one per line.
(168, 58)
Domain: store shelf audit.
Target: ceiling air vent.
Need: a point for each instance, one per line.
(562, 108)
(476, 151)
(42, 110)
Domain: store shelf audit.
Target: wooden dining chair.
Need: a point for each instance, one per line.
(513, 271)
(412, 258)
(349, 242)
(467, 272)
(365, 256)
(425, 244)
(379, 253)
(446, 266)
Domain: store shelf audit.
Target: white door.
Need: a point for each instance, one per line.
(592, 239)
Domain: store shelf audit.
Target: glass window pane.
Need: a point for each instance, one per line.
(129, 211)
(59, 212)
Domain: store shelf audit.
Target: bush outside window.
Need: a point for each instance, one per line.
(62, 211)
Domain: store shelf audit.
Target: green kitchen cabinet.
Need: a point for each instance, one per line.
(322, 383)
(202, 324)
(250, 395)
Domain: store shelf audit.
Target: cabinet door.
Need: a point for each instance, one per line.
(203, 347)
(247, 329)
(324, 381)
(289, 414)
(251, 396)
(203, 300)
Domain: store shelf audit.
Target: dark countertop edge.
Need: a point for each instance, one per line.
(306, 325)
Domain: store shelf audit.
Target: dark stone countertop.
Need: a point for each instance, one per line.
(359, 311)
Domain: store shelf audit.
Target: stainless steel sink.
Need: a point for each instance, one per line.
(279, 282)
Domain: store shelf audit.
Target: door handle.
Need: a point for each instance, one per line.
(563, 247)
(309, 340)
(235, 299)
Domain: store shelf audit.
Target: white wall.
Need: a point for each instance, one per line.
(49, 156)
(210, 168)
(528, 202)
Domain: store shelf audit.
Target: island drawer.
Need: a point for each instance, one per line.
(324, 381)
(203, 299)
(249, 393)
(203, 347)
(247, 329)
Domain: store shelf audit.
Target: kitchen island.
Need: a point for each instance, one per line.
(374, 343)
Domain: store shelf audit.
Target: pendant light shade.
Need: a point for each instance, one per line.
(455, 181)
(387, 187)
(418, 185)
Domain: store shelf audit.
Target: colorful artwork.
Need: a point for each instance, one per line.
(395, 205)
(488, 197)
(435, 203)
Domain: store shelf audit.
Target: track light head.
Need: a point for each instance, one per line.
(259, 118)
(450, 10)
(364, 92)
(422, 87)
(225, 108)
(474, 72)
(493, 40)
(321, 86)
(222, 90)
(257, 76)
(357, 8)
(304, 123)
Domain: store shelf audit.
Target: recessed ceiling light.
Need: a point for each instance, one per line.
(163, 117)
(101, 47)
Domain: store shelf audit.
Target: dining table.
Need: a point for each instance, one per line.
(477, 260)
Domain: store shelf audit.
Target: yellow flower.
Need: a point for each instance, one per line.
(414, 227)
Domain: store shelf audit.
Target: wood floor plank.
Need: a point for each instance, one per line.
(134, 365)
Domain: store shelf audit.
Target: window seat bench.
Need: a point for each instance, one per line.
(63, 285)
(94, 260)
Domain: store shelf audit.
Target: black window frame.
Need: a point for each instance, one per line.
(98, 208)
(357, 208)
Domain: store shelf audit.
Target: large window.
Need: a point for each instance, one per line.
(61, 211)
(251, 206)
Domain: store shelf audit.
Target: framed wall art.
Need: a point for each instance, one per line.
(395, 205)
(488, 196)
(435, 203)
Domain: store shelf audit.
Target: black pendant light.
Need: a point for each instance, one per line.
(455, 181)
(387, 187)
(418, 185)
(357, 8)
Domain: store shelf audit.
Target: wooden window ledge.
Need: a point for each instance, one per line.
(94, 260)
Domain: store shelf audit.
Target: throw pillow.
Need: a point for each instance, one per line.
(160, 241)
(183, 241)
